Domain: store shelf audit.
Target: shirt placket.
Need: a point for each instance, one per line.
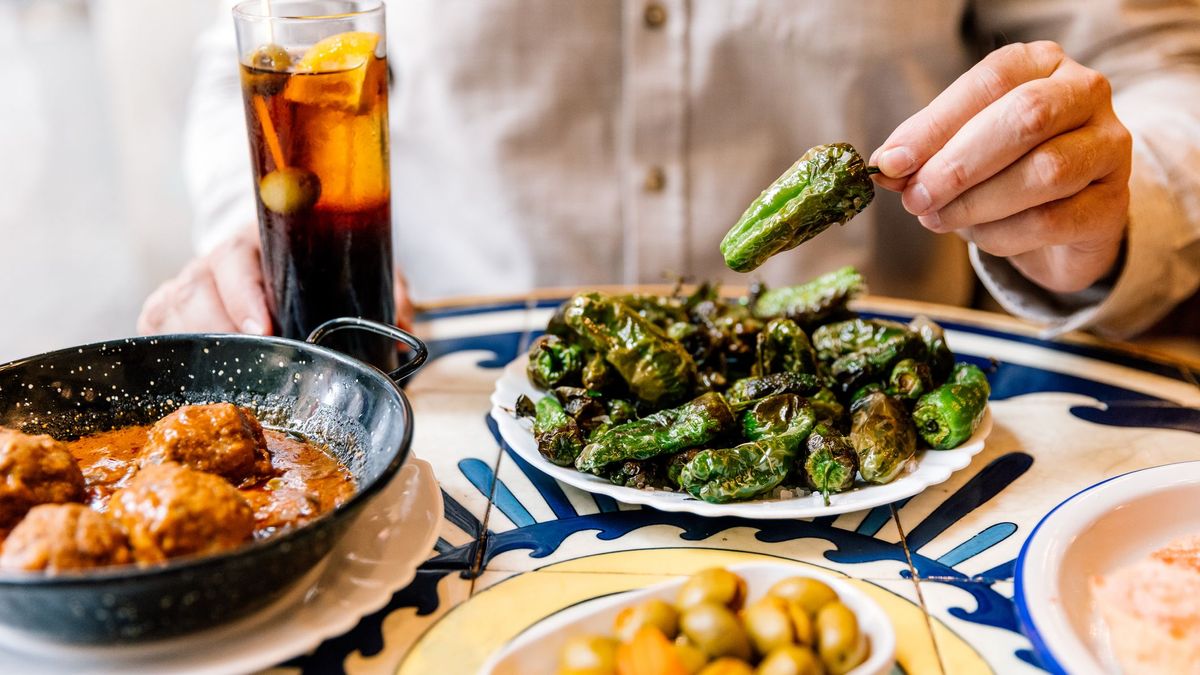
(654, 181)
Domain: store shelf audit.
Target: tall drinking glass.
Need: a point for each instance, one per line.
(315, 82)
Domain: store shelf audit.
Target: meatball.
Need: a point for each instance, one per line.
(170, 510)
(64, 537)
(220, 438)
(34, 470)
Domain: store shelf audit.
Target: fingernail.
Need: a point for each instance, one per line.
(252, 327)
(931, 221)
(916, 199)
(896, 163)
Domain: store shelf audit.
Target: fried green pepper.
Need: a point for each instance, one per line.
(864, 391)
(828, 184)
(690, 425)
(658, 370)
(948, 415)
(831, 462)
(660, 310)
(938, 354)
(742, 472)
(784, 347)
(635, 473)
(846, 337)
(812, 301)
(553, 361)
(827, 407)
(750, 388)
(872, 363)
(596, 374)
(910, 379)
(775, 415)
(883, 437)
(676, 463)
(558, 436)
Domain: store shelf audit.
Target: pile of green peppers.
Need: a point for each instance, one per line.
(731, 399)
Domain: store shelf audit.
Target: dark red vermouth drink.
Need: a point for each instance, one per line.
(317, 122)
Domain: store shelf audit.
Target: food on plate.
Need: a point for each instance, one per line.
(777, 393)
(34, 470)
(948, 415)
(1151, 610)
(219, 438)
(171, 510)
(64, 537)
(799, 626)
(883, 436)
(203, 479)
(828, 184)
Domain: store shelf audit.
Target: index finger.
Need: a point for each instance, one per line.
(919, 137)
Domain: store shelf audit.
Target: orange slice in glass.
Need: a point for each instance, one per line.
(333, 71)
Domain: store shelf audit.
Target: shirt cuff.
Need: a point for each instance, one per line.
(1155, 276)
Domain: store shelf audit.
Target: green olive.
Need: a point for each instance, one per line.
(268, 70)
(289, 190)
(790, 660)
(715, 630)
(727, 666)
(271, 57)
(768, 625)
(712, 585)
(592, 654)
(841, 645)
(802, 624)
(653, 612)
(691, 657)
(807, 592)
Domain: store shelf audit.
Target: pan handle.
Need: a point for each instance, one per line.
(420, 351)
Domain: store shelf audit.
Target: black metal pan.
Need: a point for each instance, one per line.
(357, 411)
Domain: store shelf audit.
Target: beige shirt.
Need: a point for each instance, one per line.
(563, 143)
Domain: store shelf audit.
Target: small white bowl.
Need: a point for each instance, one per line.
(535, 651)
(1107, 526)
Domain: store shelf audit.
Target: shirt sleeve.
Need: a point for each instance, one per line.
(216, 153)
(1150, 51)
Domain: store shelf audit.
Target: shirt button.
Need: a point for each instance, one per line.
(656, 179)
(655, 15)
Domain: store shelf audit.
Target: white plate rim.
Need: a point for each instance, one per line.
(296, 630)
(881, 633)
(1059, 648)
(933, 467)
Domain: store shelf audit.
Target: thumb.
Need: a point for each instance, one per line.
(237, 270)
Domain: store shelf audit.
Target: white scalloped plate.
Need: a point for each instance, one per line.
(535, 651)
(933, 467)
(377, 557)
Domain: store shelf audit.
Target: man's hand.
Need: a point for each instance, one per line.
(224, 292)
(1024, 156)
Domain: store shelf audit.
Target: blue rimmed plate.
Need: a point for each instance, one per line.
(1107, 526)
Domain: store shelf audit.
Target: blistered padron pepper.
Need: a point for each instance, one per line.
(690, 425)
(948, 415)
(829, 184)
(658, 370)
(553, 361)
(846, 337)
(812, 301)
(784, 347)
(775, 415)
(883, 437)
(556, 433)
(831, 462)
(596, 374)
(937, 352)
(827, 407)
(750, 388)
(742, 472)
(910, 379)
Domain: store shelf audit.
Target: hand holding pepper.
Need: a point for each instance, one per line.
(1024, 156)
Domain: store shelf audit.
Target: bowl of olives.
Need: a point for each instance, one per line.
(753, 619)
